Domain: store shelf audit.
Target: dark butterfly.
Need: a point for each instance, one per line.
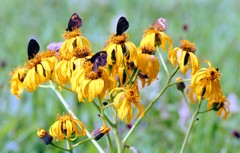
(99, 59)
(74, 22)
(33, 48)
(122, 25)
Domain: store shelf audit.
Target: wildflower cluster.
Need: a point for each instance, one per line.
(113, 75)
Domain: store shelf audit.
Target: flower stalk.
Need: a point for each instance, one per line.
(68, 108)
(150, 105)
(194, 118)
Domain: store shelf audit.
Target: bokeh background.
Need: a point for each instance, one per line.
(212, 25)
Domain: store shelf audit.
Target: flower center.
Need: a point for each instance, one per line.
(131, 95)
(148, 50)
(38, 58)
(81, 52)
(214, 75)
(71, 34)
(118, 39)
(187, 46)
(89, 73)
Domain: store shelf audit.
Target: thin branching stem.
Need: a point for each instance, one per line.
(69, 143)
(107, 119)
(81, 142)
(110, 143)
(68, 108)
(59, 147)
(194, 118)
(163, 62)
(186, 100)
(150, 105)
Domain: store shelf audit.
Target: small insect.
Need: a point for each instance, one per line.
(122, 25)
(160, 24)
(99, 59)
(54, 46)
(33, 48)
(74, 22)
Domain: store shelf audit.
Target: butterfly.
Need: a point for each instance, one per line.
(33, 48)
(54, 46)
(99, 59)
(74, 22)
(160, 24)
(122, 25)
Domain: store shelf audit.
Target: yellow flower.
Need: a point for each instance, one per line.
(185, 57)
(206, 83)
(154, 36)
(89, 84)
(123, 101)
(39, 69)
(120, 73)
(71, 54)
(16, 82)
(221, 105)
(63, 69)
(148, 64)
(120, 50)
(75, 43)
(65, 127)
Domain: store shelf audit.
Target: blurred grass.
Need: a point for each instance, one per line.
(212, 25)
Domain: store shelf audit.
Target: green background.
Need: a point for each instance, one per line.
(212, 25)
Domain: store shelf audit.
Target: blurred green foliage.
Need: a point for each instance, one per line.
(212, 25)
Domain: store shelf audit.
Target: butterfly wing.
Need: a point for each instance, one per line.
(33, 48)
(122, 25)
(74, 22)
(54, 46)
(99, 59)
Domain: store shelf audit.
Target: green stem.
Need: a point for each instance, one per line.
(107, 119)
(110, 142)
(67, 107)
(118, 139)
(102, 111)
(59, 147)
(163, 63)
(191, 126)
(150, 105)
(66, 88)
(81, 142)
(184, 80)
(69, 146)
(205, 111)
(134, 75)
(185, 98)
(125, 69)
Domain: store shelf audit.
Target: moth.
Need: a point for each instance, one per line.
(99, 59)
(122, 26)
(54, 46)
(160, 24)
(74, 22)
(33, 48)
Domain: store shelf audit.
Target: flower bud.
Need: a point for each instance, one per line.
(236, 134)
(216, 106)
(180, 85)
(98, 133)
(46, 138)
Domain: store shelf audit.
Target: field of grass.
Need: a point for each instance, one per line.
(212, 25)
